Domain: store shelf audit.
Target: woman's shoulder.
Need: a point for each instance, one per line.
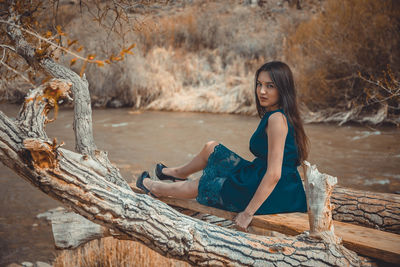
(274, 113)
(278, 121)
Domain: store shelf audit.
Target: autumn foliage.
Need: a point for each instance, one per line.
(39, 23)
(347, 57)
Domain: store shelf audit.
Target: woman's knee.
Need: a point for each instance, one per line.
(209, 147)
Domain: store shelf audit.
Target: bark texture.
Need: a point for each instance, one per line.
(371, 209)
(70, 230)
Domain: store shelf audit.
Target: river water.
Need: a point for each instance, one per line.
(361, 157)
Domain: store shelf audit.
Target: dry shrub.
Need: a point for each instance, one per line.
(349, 37)
(110, 252)
(190, 56)
(197, 58)
(202, 58)
(226, 26)
(185, 81)
(16, 77)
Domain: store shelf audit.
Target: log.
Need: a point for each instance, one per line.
(71, 230)
(368, 242)
(292, 224)
(371, 209)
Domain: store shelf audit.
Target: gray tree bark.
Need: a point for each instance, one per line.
(371, 209)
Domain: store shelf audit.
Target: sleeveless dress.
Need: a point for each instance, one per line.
(229, 182)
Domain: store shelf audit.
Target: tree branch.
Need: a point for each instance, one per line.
(84, 141)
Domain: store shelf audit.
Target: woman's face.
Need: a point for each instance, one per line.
(267, 93)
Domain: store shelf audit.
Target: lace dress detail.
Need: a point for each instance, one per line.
(222, 162)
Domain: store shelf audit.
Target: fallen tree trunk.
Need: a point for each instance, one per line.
(62, 221)
(71, 230)
(371, 209)
(368, 242)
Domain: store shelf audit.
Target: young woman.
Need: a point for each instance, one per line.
(270, 183)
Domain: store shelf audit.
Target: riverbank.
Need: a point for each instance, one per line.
(194, 56)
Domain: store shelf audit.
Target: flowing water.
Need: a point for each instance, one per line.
(361, 157)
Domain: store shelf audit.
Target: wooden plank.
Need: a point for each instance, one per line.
(365, 241)
(370, 242)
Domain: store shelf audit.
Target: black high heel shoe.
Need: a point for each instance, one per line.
(139, 183)
(163, 176)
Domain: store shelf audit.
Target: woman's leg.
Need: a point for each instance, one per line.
(198, 163)
(182, 190)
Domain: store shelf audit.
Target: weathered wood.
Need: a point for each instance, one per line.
(318, 187)
(160, 227)
(70, 230)
(82, 124)
(365, 241)
(42, 99)
(371, 209)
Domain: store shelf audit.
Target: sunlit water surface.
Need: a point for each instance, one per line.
(361, 157)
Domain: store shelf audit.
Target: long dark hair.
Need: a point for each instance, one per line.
(282, 77)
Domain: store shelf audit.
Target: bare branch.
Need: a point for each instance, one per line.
(47, 40)
(8, 47)
(11, 68)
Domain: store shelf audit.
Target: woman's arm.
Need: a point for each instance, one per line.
(277, 130)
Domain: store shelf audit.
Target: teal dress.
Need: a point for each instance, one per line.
(229, 181)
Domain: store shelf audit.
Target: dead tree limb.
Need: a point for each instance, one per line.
(82, 124)
(70, 230)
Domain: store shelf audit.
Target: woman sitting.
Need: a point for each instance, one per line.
(267, 185)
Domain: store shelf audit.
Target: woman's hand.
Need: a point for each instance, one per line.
(242, 220)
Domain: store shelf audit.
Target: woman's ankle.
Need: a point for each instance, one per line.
(152, 187)
(175, 172)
